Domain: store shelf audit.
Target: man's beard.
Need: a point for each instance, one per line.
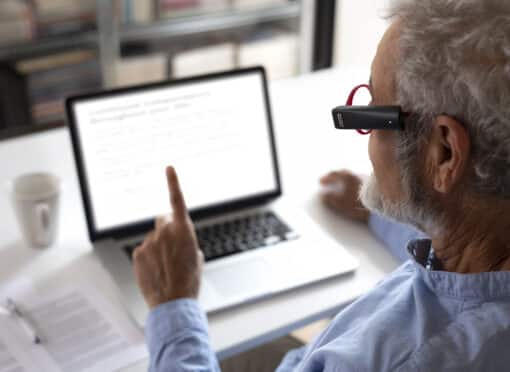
(372, 198)
(412, 209)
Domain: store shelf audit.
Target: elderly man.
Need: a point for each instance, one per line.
(447, 64)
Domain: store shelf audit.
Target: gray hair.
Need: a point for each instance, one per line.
(455, 60)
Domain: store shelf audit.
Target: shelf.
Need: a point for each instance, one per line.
(168, 28)
(48, 45)
(197, 23)
(220, 21)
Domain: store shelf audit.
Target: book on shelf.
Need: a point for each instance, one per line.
(12, 8)
(16, 21)
(15, 31)
(36, 64)
(181, 8)
(214, 5)
(141, 69)
(60, 82)
(49, 8)
(204, 60)
(54, 17)
(22, 20)
(48, 112)
(50, 79)
(276, 51)
(48, 90)
(244, 4)
(137, 11)
(58, 25)
(168, 8)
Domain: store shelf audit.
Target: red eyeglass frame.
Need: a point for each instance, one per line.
(349, 103)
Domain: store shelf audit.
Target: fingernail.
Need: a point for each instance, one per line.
(337, 187)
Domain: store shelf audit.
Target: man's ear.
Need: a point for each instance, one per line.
(448, 153)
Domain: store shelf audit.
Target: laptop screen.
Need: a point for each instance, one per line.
(216, 132)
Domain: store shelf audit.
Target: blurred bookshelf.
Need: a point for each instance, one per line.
(201, 22)
(51, 49)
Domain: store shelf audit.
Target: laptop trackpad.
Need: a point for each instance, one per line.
(242, 279)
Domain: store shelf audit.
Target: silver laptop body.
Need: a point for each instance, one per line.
(217, 131)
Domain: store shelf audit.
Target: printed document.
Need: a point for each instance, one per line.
(79, 330)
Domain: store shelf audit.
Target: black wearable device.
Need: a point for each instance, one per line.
(368, 117)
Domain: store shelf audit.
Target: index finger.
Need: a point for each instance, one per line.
(176, 197)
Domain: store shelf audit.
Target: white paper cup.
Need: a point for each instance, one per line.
(35, 197)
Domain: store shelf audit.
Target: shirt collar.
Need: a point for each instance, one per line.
(482, 286)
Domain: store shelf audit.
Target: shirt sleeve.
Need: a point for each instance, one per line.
(394, 235)
(178, 338)
(292, 359)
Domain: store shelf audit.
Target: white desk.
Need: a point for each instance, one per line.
(308, 147)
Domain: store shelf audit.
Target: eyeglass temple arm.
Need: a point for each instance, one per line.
(350, 100)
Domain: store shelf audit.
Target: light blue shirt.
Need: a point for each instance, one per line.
(414, 320)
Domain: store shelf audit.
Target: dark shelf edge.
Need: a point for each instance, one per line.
(27, 49)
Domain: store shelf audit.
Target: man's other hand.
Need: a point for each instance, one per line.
(168, 264)
(340, 192)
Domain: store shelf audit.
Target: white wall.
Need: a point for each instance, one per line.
(359, 27)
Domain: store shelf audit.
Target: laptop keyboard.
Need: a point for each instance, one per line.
(239, 235)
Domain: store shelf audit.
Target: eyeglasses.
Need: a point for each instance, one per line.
(365, 118)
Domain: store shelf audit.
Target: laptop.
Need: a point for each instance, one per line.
(217, 131)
